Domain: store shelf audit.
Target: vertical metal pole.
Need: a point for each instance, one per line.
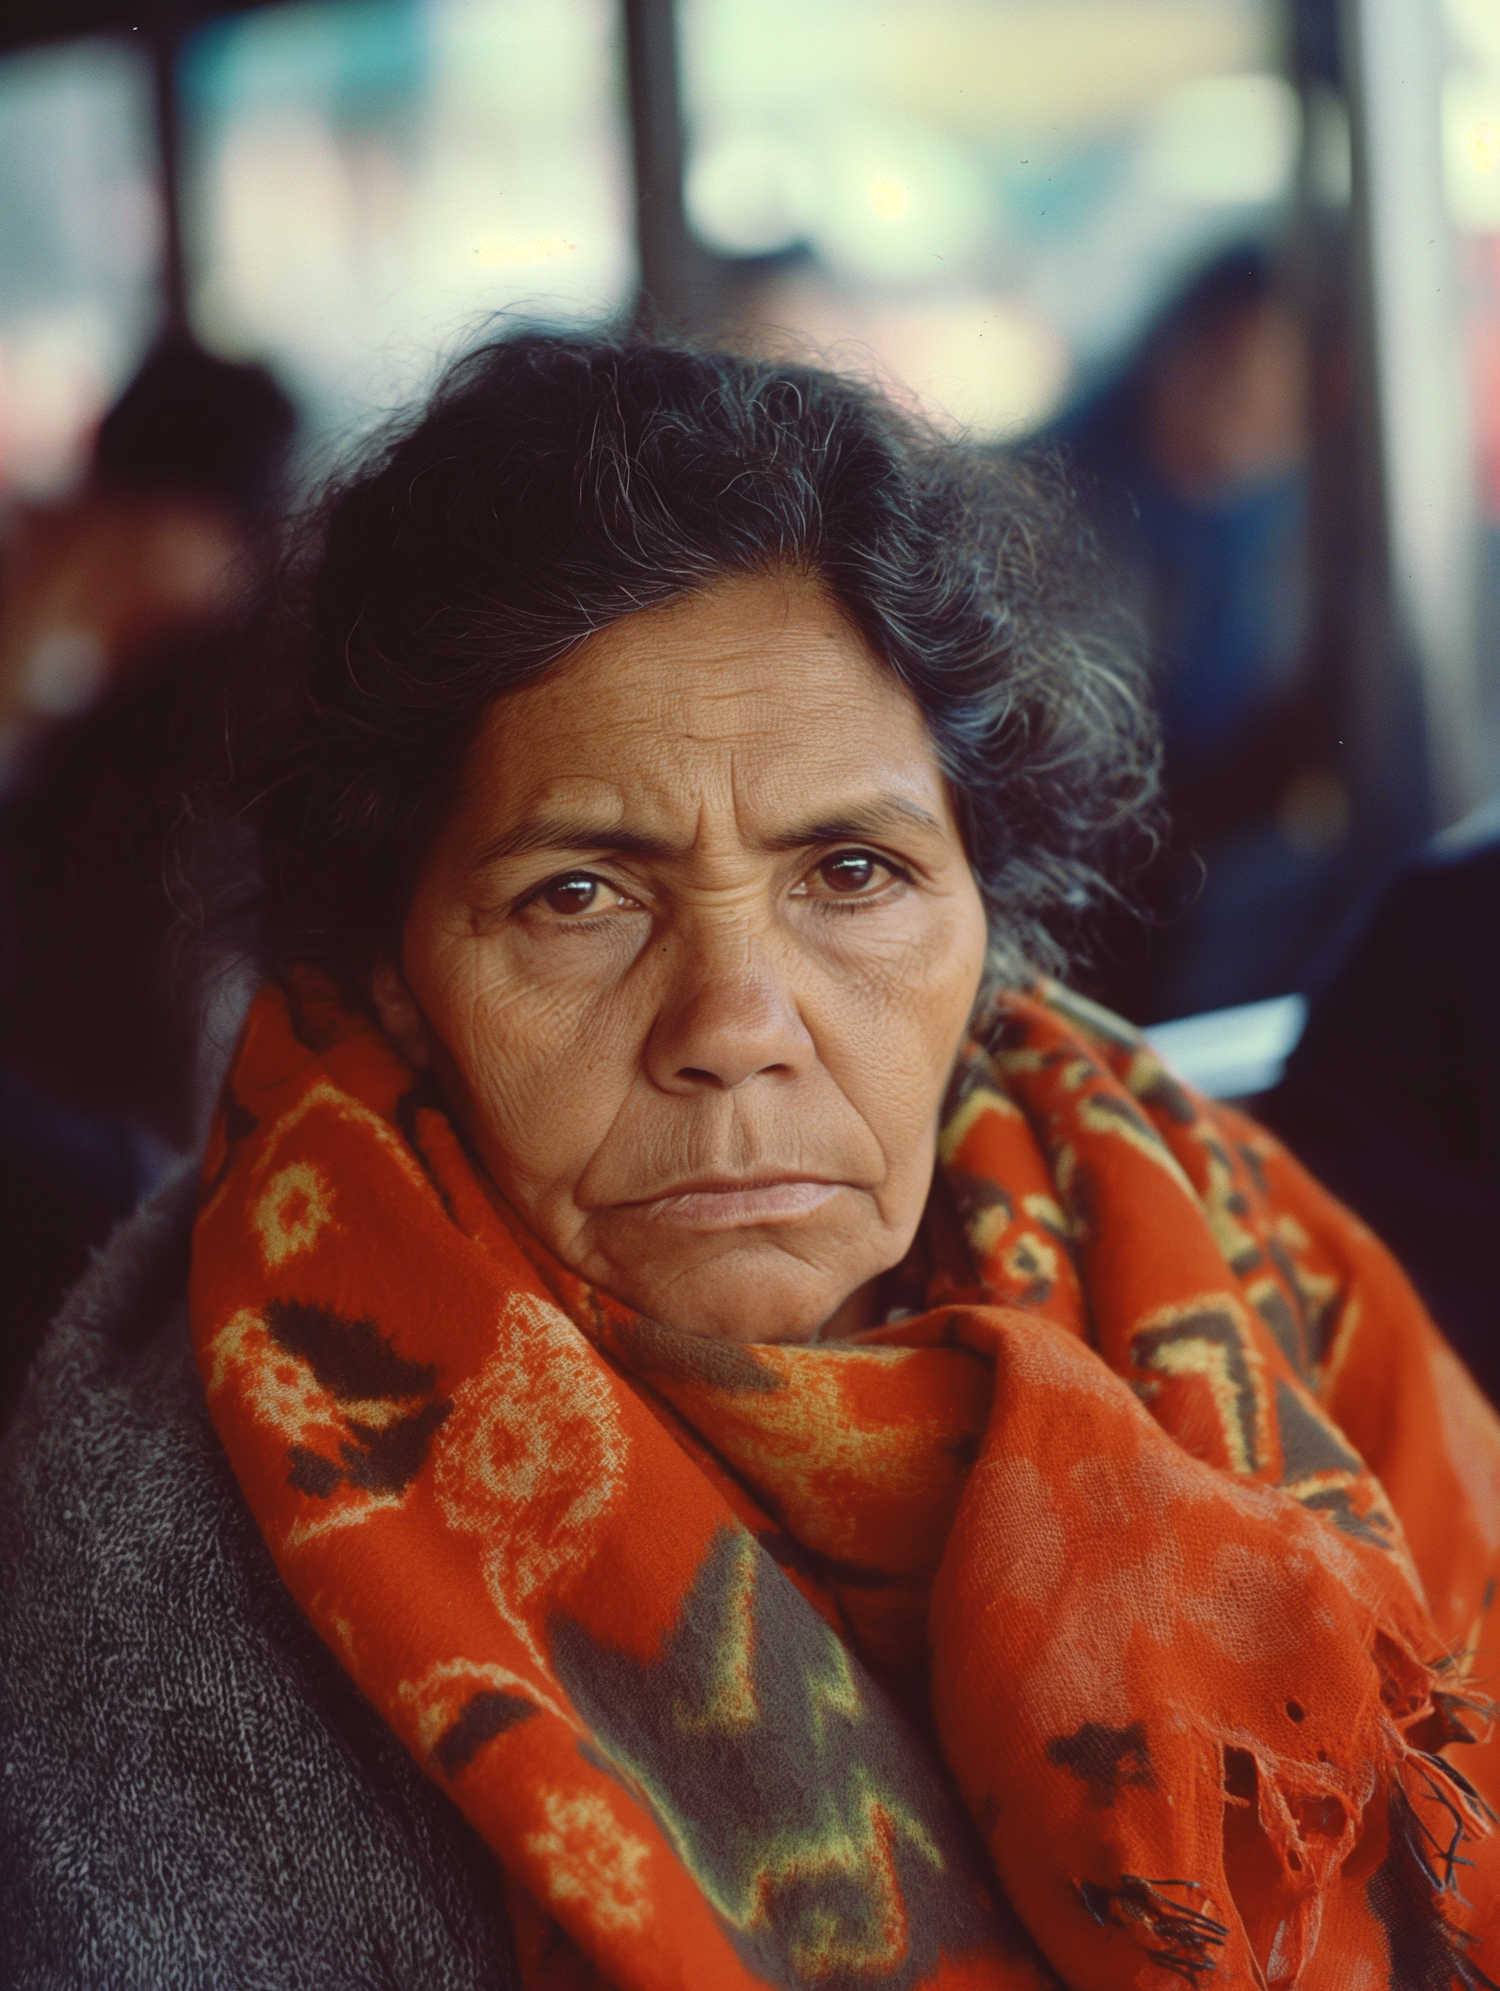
(676, 283)
(1419, 384)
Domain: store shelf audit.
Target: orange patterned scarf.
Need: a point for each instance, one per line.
(1103, 1620)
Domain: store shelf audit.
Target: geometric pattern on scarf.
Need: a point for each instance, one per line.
(1112, 1615)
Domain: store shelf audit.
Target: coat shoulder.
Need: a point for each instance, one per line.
(191, 1789)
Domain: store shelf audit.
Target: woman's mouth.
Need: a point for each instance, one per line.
(726, 1204)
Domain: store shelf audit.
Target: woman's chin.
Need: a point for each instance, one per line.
(782, 1276)
(739, 1288)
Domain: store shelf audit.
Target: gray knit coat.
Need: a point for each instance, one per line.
(192, 1793)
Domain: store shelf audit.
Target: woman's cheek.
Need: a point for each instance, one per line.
(519, 990)
(542, 1061)
(921, 964)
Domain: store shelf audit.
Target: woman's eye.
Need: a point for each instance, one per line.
(850, 872)
(577, 894)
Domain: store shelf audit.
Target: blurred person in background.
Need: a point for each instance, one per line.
(1193, 464)
(107, 601)
(1393, 1094)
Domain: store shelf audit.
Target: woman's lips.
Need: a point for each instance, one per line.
(713, 1206)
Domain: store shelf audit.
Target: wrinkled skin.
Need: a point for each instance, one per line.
(692, 957)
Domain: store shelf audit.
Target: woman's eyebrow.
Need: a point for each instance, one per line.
(568, 833)
(881, 816)
(875, 818)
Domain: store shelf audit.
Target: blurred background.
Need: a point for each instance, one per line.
(1239, 259)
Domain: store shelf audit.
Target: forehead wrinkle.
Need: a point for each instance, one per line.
(714, 752)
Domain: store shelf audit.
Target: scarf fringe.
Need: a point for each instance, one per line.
(1421, 1872)
(1188, 1937)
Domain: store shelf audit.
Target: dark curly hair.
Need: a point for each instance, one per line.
(553, 484)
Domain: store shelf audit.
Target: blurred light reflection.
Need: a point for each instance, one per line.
(78, 245)
(988, 199)
(1227, 140)
(375, 180)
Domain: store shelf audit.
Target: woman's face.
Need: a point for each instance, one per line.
(693, 956)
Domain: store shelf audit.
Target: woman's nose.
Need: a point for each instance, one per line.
(727, 1018)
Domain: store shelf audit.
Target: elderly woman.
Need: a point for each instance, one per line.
(703, 1424)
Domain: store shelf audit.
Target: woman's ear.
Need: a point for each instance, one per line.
(399, 1016)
